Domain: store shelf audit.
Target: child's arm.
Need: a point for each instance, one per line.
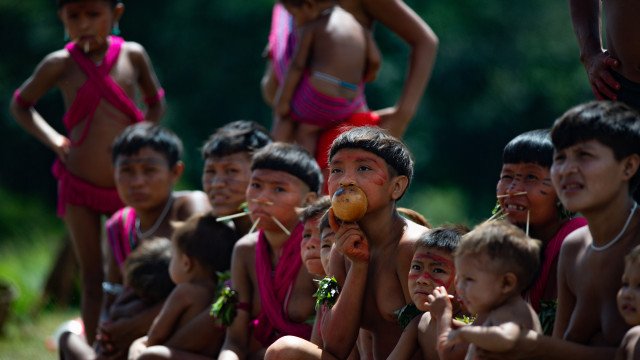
(299, 63)
(493, 338)
(403, 21)
(566, 299)
(442, 312)
(176, 304)
(148, 82)
(236, 342)
(585, 15)
(341, 324)
(408, 343)
(45, 76)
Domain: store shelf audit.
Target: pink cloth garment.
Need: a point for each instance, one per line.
(76, 191)
(551, 251)
(272, 322)
(99, 85)
(281, 41)
(310, 106)
(121, 233)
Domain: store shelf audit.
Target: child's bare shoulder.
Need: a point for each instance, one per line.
(518, 312)
(136, 53)
(246, 244)
(424, 325)
(189, 203)
(574, 242)
(629, 347)
(55, 63)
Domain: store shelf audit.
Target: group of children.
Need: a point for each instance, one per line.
(302, 283)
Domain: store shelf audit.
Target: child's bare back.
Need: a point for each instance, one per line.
(585, 293)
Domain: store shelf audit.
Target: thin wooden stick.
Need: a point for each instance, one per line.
(528, 212)
(286, 231)
(497, 215)
(253, 227)
(510, 195)
(233, 216)
(269, 203)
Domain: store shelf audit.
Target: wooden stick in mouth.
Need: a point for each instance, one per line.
(232, 216)
(284, 229)
(253, 227)
(510, 195)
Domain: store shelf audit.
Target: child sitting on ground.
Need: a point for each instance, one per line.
(310, 246)
(324, 84)
(494, 263)
(629, 305)
(274, 291)
(432, 266)
(98, 75)
(201, 247)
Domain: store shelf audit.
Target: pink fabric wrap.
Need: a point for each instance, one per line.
(281, 41)
(121, 233)
(273, 322)
(551, 251)
(99, 85)
(76, 191)
(310, 106)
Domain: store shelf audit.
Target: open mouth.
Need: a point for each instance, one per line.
(515, 207)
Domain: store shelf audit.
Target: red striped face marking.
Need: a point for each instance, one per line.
(430, 268)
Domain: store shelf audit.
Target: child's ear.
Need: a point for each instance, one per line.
(310, 198)
(631, 164)
(509, 282)
(187, 262)
(398, 186)
(176, 171)
(118, 11)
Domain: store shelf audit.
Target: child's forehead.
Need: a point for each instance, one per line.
(433, 255)
(355, 155)
(242, 158)
(524, 167)
(80, 5)
(277, 177)
(146, 156)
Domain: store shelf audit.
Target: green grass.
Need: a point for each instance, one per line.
(31, 237)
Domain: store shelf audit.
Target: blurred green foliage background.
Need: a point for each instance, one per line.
(503, 67)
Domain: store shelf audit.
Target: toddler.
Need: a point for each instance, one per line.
(629, 305)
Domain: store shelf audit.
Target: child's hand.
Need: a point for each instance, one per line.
(61, 147)
(439, 302)
(351, 242)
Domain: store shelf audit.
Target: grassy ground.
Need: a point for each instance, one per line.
(30, 237)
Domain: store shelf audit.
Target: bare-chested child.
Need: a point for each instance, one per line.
(432, 266)
(629, 305)
(97, 74)
(614, 71)
(378, 248)
(201, 247)
(324, 84)
(494, 262)
(310, 246)
(275, 293)
(594, 172)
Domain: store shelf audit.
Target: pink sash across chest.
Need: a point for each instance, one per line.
(274, 287)
(99, 85)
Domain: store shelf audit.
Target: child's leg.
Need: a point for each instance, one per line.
(84, 226)
(307, 136)
(283, 129)
(72, 346)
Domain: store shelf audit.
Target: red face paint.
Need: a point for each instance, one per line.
(430, 259)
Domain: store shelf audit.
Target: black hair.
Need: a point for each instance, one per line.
(147, 270)
(379, 142)
(207, 241)
(62, 3)
(234, 137)
(292, 159)
(445, 238)
(530, 147)
(138, 136)
(613, 124)
(316, 209)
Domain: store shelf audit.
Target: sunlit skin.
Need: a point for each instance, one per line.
(629, 294)
(326, 244)
(310, 247)
(540, 198)
(88, 23)
(430, 267)
(144, 180)
(270, 187)
(178, 267)
(225, 180)
(587, 175)
(478, 288)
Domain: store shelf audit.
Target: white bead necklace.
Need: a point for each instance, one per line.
(144, 234)
(619, 236)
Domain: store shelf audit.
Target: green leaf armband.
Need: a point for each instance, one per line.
(327, 293)
(224, 308)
